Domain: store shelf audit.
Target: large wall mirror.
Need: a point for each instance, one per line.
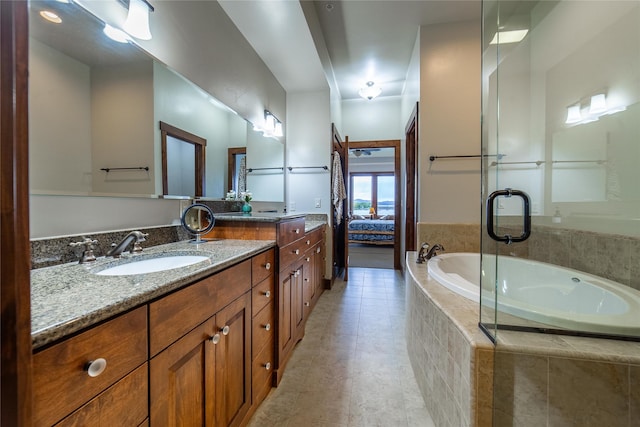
(95, 109)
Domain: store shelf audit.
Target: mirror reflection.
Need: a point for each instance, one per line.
(107, 140)
(198, 219)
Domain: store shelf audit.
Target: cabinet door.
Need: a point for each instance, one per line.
(182, 380)
(298, 301)
(286, 325)
(233, 362)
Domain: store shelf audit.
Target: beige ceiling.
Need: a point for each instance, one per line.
(364, 39)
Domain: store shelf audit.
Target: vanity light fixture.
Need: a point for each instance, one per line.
(50, 16)
(116, 34)
(505, 37)
(137, 23)
(598, 104)
(370, 91)
(573, 114)
(272, 126)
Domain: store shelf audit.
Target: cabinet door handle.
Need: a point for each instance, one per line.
(306, 304)
(225, 330)
(318, 250)
(95, 367)
(296, 251)
(267, 326)
(308, 242)
(306, 279)
(267, 266)
(308, 259)
(296, 231)
(296, 273)
(267, 366)
(215, 339)
(267, 294)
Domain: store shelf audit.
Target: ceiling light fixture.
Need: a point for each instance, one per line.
(370, 91)
(50, 16)
(137, 23)
(505, 37)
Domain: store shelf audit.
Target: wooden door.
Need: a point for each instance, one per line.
(339, 231)
(411, 185)
(182, 380)
(233, 362)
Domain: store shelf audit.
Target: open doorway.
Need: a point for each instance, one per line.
(374, 204)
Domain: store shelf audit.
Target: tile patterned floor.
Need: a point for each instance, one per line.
(351, 368)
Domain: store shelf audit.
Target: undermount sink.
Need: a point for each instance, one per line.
(152, 265)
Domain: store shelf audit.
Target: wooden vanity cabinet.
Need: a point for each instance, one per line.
(115, 353)
(204, 376)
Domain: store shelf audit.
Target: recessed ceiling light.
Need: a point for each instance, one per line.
(504, 37)
(50, 16)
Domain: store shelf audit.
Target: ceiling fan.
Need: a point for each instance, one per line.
(364, 151)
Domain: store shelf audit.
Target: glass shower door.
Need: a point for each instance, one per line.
(561, 123)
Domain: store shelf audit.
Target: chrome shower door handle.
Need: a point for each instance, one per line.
(526, 226)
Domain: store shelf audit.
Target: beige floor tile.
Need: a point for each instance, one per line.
(352, 367)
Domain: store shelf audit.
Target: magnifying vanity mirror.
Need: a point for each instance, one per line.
(198, 219)
(107, 140)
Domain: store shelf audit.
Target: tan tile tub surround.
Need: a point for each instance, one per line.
(451, 358)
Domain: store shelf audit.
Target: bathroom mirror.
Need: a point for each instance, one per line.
(107, 139)
(198, 219)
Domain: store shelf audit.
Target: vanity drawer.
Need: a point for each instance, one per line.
(262, 295)
(263, 329)
(262, 265)
(262, 368)
(176, 314)
(291, 253)
(123, 404)
(60, 370)
(290, 231)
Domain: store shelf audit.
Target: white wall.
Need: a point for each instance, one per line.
(450, 88)
(122, 128)
(308, 144)
(59, 138)
(375, 120)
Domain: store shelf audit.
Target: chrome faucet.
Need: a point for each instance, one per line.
(421, 254)
(135, 236)
(432, 251)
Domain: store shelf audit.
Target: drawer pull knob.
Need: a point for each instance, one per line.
(308, 259)
(306, 279)
(296, 273)
(267, 294)
(296, 231)
(308, 242)
(95, 367)
(267, 366)
(225, 330)
(306, 304)
(215, 339)
(267, 266)
(318, 250)
(267, 326)
(296, 251)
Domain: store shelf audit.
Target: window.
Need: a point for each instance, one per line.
(375, 190)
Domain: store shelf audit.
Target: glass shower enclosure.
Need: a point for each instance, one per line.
(561, 168)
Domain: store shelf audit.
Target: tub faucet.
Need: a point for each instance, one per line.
(432, 251)
(134, 236)
(421, 255)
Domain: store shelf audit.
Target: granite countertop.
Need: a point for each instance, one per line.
(69, 297)
(256, 216)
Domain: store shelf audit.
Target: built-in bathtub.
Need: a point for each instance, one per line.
(526, 379)
(545, 293)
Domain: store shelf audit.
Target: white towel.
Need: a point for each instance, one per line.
(338, 190)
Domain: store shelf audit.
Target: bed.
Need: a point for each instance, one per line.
(372, 231)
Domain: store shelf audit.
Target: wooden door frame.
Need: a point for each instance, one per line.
(411, 186)
(199, 144)
(395, 144)
(15, 254)
(231, 166)
(339, 234)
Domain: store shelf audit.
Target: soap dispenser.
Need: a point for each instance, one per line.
(557, 218)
